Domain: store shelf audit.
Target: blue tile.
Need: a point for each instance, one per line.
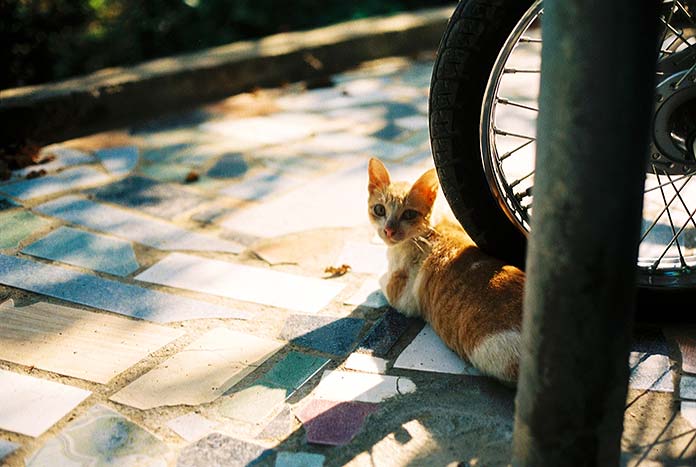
(87, 250)
(7, 448)
(229, 166)
(133, 226)
(159, 199)
(261, 185)
(385, 332)
(323, 333)
(187, 154)
(7, 204)
(79, 177)
(120, 160)
(299, 459)
(105, 294)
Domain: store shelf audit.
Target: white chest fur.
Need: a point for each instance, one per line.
(400, 263)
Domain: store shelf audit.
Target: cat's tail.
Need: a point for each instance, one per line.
(498, 355)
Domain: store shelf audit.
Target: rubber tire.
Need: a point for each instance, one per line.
(469, 47)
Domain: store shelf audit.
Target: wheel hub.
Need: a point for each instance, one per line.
(674, 125)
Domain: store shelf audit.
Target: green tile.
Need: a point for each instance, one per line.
(293, 371)
(18, 225)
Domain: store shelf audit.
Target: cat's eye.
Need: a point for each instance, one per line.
(409, 215)
(379, 210)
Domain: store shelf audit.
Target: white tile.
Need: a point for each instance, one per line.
(366, 363)
(79, 177)
(30, 406)
(364, 257)
(258, 285)
(262, 185)
(427, 352)
(340, 144)
(368, 295)
(688, 411)
(119, 160)
(133, 226)
(343, 386)
(105, 294)
(201, 372)
(65, 157)
(650, 372)
(78, 343)
(336, 200)
(192, 426)
(412, 122)
(278, 128)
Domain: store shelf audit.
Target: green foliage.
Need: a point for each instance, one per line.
(45, 40)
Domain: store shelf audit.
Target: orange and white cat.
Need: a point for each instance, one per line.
(436, 271)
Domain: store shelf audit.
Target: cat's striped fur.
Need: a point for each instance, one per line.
(472, 301)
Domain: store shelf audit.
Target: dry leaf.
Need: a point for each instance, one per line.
(337, 271)
(192, 176)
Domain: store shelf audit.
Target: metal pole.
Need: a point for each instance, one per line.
(597, 86)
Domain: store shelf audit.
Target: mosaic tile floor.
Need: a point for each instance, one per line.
(164, 301)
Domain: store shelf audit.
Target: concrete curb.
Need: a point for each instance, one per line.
(114, 97)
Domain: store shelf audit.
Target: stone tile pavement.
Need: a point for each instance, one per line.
(165, 300)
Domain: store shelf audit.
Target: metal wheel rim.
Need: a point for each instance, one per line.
(671, 265)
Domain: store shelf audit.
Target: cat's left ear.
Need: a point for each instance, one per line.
(425, 189)
(379, 175)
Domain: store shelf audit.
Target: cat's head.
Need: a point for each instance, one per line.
(400, 211)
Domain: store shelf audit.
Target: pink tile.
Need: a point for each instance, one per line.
(334, 423)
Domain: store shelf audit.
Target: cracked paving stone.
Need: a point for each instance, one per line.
(86, 250)
(71, 179)
(323, 333)
(18, 225)
(385, 332)
(218, 450)
(102, 437)
(159, 199)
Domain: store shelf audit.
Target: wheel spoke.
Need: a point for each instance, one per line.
(520, 70)
(510, 153)
(504, 101)
(500, 132)
(674, 238)
(685, 11)
(530, 40)
(665, 184)
(676, 32)
(520, 180)
(659, 216)
(669, 217)
(681, 199)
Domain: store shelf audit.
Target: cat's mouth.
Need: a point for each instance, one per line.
(391, 241)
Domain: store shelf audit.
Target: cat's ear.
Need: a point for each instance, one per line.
(379, 175)
(425, 189)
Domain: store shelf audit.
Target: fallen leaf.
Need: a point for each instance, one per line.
(337, 271)
(192, 176)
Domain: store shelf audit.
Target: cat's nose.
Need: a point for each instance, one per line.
(389, 232)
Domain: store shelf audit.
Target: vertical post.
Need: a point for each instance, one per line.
(597, 86)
